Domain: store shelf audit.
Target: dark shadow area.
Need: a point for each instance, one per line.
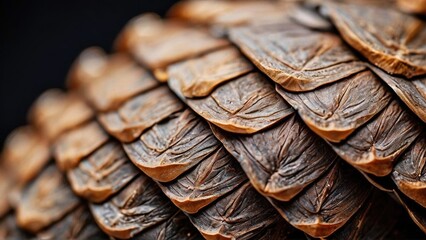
(40, 39)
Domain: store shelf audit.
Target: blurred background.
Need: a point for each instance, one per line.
(40, 39)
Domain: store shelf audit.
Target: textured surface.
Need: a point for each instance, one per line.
(45, 201)
(157, 43)
(296, 58)
(176, 227)
(246, 105)
(373, 148)
(282, 160)
(79, 224)
(54, 112)
(410, 172)
(198, 77)
(335, 111)
(139, 113)
(389, 39)
(226, 14)
(327, 204)
(24, 155)
(103, 173)
(414, 6)
(373, 220)
(136, 208)
(264, 140)
(120, 80)
(72, 146)
(240, 215)
(411, 91)
(209, 180)
(172, 147)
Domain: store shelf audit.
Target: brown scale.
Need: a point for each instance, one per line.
(246, 105)
(196, 189)
(241, 214)
(137, 207)
(25, 154)
(200, 76)
(409, 173)
(333, 184)
(79, 224)
(114, 79)
(414, 6)
(416, 212)
(281, 161)
(103, 173)
(373, 220)
(55, 112)
(411, 91)
(190, 164)
(335, 111)
(87, 67)
(389, 39)
(6, 182)
(328, 203)
(370, 147)
(174, 228)
(208, 181)
(226, 14)
(46, 200)
(74, 145)
(375, 147)
(200, 178)
(216, 219)
(139, 113)
(157, 43)
(103, 176)
(172, 147)
(122, 80)
(296, 58)
(238, 146)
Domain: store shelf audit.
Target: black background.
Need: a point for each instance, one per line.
(40, 39)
